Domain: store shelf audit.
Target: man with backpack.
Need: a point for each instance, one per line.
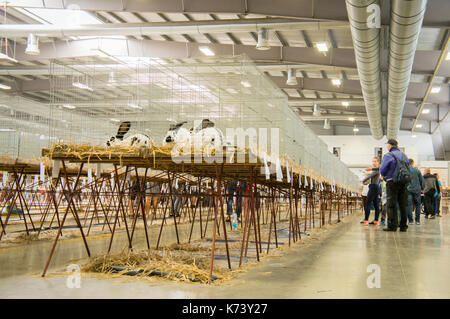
(396, 172)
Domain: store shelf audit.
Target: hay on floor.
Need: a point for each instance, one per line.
(186, 263)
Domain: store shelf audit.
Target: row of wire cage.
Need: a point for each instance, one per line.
(90, 96)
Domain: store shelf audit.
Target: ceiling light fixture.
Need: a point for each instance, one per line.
(82, 86)
(32, 45)
(345, 103)
(5, 87)
(263, 39)
(355, 129)
(425, 111)
(419, 125)
(322, 46)
(115, 120)
(69, 106)
(435, 89)
(206, 51)
(246, 84)
(351, 119)
(291, 79)
(231, 90)
(448, 56)
(134, 106)
(336, 82)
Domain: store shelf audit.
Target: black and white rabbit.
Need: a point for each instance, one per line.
(136, 140)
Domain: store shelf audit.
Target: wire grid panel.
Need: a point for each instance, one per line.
(92, 95)
(24, 126)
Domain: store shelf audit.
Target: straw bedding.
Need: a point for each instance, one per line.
(183, 263)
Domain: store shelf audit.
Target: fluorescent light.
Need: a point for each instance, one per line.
(134, 106)
(336, 82)
(69, 106)
(418, 125)
(231, 90)
(82, 86)
(115, 120)
(206, 51)
(7, 57)
(448, 56)
(435, 89)
(70, 16)
(345, 103)
(5, 87)
(322, 46)
(425, 111)
(355, 129)
(351, 119)
(7, 130)
(246, 84)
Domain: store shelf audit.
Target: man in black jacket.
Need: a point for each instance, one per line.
(428, 193)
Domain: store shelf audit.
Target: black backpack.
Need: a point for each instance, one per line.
(402, 174)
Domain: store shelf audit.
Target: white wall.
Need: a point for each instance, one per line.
(358, 150)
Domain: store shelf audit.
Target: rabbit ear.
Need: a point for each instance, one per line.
(207, 123)
(123, 129)
(180, 124)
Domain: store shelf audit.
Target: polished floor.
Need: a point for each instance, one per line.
(350, 261)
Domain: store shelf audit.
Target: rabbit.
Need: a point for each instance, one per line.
(208, 135)
(177, 134)
(136, 140)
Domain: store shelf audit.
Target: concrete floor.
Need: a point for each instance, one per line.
(415, 264)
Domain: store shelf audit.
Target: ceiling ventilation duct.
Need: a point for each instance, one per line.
(406, 22)
(366, 42)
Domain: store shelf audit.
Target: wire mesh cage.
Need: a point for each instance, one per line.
(91, 97)
(24, 127)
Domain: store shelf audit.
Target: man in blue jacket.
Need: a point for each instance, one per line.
(396, 192)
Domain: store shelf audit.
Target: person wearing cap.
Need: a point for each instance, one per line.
(396, 192)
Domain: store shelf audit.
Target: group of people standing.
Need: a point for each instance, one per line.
(397, 196)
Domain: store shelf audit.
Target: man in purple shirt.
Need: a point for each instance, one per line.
(396, 192)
